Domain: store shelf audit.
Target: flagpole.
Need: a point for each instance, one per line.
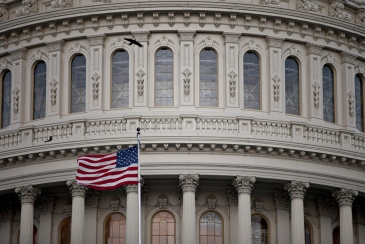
(139, 190)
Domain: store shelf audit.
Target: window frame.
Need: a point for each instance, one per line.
(334, 76)
(306, 222)
(362, 80)
(3, 74)
(130, 87)
(154, 78)
(32, 89)
(300, 105)
(242, 105)
(151, 223)
(105, 220)
(217, 74)
(70, 83)
(217, 213)
(60, 226)
(268, 226)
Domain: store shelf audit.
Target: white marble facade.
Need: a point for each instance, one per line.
(302, 173)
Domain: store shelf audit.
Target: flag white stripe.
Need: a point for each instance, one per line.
(97, 164)
(109, 177)
(99, 176)
(97, 158)
(93, 170)
(111, 183)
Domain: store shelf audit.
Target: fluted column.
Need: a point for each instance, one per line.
(244, 186)
(345, 197)
(27, 195)
(132, 214)
(297, 191)
(78, 212)
(188, 184)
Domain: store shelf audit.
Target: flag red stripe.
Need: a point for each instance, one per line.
(109, 172)
(103, 188)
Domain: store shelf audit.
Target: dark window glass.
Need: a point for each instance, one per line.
(211, 229)
(251, 81)
(208, 89)
(164, 72)
(291, 86)
(39, 91)
(78, 84)
(336, 235)
(260, 230)
(6, 100)
(308, 234)
(115, 229)
(163, 228)
(120, 80)
(359, 103)
(328, 95)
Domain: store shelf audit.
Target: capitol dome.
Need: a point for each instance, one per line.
(251, 113)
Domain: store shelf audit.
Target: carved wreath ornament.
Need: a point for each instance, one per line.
(95, 84)
(186, 73)
(276, 87)
(140, 82)
(232, 83)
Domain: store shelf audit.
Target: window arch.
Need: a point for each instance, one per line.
(251, 81)
(292, 103)
(6, 100)
(328, 94)
(308, 233)
(164, 82)
(336, 235)
(359, 103)
(64, 231)
(115, 229)
(211, 228)
(78, 84)
(163, 228)
(120, 80)
(260, 230)
(39, 90)
(208, 88)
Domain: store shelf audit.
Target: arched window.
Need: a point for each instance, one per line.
(164, 82)
(251, 81)
(39, 91)
(292, 87)
(336, 235)
(64, 231)
(78, 84)
(163, 228)
(210, 228)
(307, 233)
(35, 235)
(115, 229)
(260, 230)
(359, 103)
(6, 100)
(120, 80)
(208, 89)
(328, 95)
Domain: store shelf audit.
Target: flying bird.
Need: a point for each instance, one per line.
(50, 139)
(132, 41)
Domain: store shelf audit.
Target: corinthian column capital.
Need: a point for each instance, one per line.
(27, 194)
(244, 184)
(131, 188)
(344, 196)
(189, 183)
(296, 189)
(76, 189)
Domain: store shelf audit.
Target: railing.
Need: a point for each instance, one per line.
(270, 128)
(358, 142)
(56, 131)
(105, 127)
(160, 125)
(322, 135)
(10, 139)
(217, 125)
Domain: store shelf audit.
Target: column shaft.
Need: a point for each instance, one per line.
(188, 217)
(244, 218)
(45, 228)
(346, 229)
(297, 221)
(77, 222)
(26, 224)
(132, 214)
(325, 229)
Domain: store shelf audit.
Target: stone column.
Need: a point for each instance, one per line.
(187, 67)
(324, 209)
(78, 212)
(233, 213)
(46, 206)
(188, 184)
(345, 197)
(27, 195)
(275, 76)
(282, 207)
(244, 186)
(297, 190)
(6, 221)
(359, 224)
(54, 72)
(91, 215)
(144, 198)
(132, 214)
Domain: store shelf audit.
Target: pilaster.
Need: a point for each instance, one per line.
(46, 206)
(186, 86)
(231, 41)
(233, 213)
(132, 214)
(282, 207)
(359, 223)
(6, 222)
(324, 209)
(91, 215)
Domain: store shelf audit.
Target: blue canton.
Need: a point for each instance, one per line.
(127, 157)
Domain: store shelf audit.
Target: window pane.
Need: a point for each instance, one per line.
(336, 235)
(292, 86)
(65, 231)
(39, 91)
(6, 100)
(251, 81)
(208, 88)
(163, 228)
(211, 228)
(120, 80)
(359, 103)
(308, 234)
(78, 84)
(259, 229)
(164, 78)
(328, 95)
(115, 229)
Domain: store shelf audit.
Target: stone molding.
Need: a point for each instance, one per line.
(345, 197)
(313, 48)
(189, 183)
(281, 200)
(186, 35)
(324, 206)
(75, 189)
(114, 203)
(131, 188)
(46, 203)
(27, 194)
(231, 37)
(296, 189)
(4, 12)
(141, 36)
(19, 53)
(97, 39)
(92, 198)
(244, 184)
(274, 41)
(348, 58)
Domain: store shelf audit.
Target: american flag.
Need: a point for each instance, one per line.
(108, 171)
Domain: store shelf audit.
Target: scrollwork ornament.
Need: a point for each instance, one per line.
(244, 184)
(29, 7)
(76, 189)
(316, 87)
(186, 74)
(296, 189)
(16, 99)
(53, 85)
(140, 82)
(232, 83)
(276, 87)
(188, 183)
(337, 10)
(4, 13)
(351, 100)
(344, 197)
(96, 77)
(360, 18)
(307, 5)
(27, 194)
